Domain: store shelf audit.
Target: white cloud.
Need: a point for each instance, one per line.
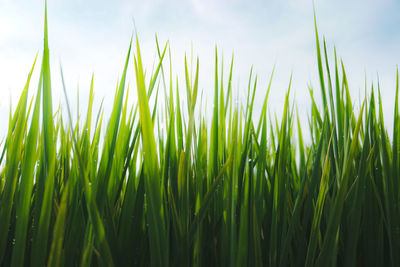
(93, 36)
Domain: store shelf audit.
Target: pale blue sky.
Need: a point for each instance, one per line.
(92, 36)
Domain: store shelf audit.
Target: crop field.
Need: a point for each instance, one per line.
(233, 190)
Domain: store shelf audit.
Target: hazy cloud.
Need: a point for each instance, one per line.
(93, 36)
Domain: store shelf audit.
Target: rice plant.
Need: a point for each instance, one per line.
(233, 191)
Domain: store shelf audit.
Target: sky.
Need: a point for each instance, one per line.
(92, 37)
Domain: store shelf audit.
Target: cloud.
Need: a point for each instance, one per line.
(92, 36)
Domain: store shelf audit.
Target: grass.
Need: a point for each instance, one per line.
(232, 191)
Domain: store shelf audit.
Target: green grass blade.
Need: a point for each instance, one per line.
(157, 232)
